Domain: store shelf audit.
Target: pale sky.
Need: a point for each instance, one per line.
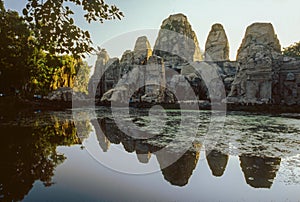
(145, 17)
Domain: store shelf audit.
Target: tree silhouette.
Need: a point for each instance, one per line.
(55, 29)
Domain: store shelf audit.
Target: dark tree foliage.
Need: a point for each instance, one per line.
(292, 50)
(29, 154)
(26, 69)
(54, 26)
(15, 49)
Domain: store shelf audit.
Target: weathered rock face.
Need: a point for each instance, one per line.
(177, 42)
(217, 46)
(102, 59)
(109, 72)
(258, 36)
(65, 94)
(227, 71)
(259, 57)
(142, 50)
(155, 79)
(96, 85)
(143, 82)
(260, 75)
(286, 82)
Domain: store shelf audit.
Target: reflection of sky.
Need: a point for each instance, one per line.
(81, 178)
(235, 15)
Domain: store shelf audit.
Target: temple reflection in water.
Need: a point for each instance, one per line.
(29, 154)
(259, 171)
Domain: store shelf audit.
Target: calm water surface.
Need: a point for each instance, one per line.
(84, 155)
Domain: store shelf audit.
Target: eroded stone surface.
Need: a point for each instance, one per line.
(142, 50)
(259, 75)
(259, 57)
(177, 42)
(217, 45)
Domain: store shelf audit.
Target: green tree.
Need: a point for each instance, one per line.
(54, 26)
(82, 77)
(293, 50)
(30, 68)
(15, 50)
(50, 72)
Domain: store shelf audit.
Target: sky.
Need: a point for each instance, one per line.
(145, 17)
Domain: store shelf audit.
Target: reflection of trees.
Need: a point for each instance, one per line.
(259, 172)
(217, 162)
(29, 153)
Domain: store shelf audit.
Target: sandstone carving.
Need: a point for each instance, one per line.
(259, 75)
(259, 57)
(96, 84)
(142, 50)
(177, 42)
(142, 83)
(217, 46)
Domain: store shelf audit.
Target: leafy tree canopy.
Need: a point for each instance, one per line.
(54, 26)
(293, 50)
(15, 49)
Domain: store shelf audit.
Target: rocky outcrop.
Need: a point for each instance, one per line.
(102, 60)
(217, 46)
(65, 94)
(121, 78)
(155, 80)
(142, 83)
(126, 64)
(177, 42)
(259, 57)
(96, 84)
(286, 82)
(142, 51)
(259, 75)
(259, 37)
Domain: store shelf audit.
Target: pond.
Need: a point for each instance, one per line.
(149, 155)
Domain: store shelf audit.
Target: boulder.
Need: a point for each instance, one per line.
(217, 46)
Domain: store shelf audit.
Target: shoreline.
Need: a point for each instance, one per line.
(16, 104)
